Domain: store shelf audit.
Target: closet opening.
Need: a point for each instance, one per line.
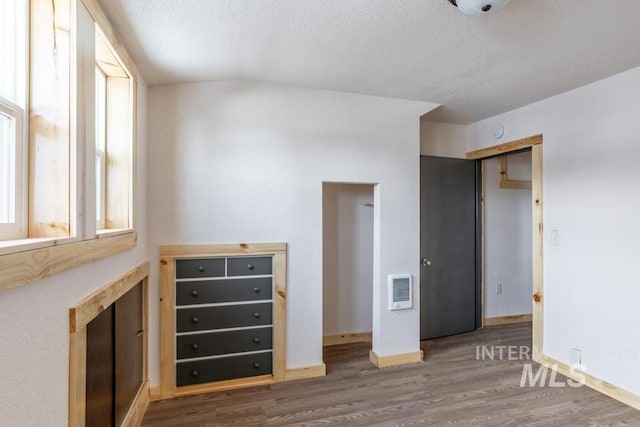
(347, 271)
(507, 240)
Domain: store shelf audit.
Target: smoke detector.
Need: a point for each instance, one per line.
(479, 7)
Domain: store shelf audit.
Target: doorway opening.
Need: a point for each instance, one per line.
(535, 145)
(532, 144)
(506, 239)
(347, 266)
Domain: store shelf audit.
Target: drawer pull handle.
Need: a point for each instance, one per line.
(256, 365)
(194, 374)
(194, 293)
(195, 346)
(256, 315)
(250, 266)
(256, 340)
(195, 319)
(256, 290)
(201, 268)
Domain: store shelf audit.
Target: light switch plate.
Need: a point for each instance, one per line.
(556, 238)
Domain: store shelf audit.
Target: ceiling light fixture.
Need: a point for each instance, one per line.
(479, 7)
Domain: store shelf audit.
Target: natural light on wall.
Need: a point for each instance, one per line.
(12, 108)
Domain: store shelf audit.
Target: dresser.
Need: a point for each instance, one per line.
(222, 316)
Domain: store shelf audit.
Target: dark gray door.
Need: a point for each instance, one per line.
(449, 294)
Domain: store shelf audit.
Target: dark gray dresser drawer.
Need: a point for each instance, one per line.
(249, 266)
(228, 316)
(225, 368)
(189, 268)
(216, 291)
(216, 343)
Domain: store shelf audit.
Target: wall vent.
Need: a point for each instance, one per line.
(400, 292)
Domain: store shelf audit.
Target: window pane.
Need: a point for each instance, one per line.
(101, 104)
(114, 134)
(101, 138)
(99, 193)
(7, 169)
(12, 50)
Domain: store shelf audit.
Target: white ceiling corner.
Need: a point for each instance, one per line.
(422, 50)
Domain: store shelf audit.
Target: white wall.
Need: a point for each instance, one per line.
(347, 254)
(507, 239)
(244, 162)
(442, 139)
(591, 280)
(34, 319)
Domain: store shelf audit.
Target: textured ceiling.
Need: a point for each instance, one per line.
(424, 50)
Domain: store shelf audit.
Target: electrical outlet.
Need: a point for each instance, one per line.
(499, 288)
(575, 357)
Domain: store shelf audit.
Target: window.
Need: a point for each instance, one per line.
(10, 136)
(13, 50)
(114, 138)
(101, 142)
(50, 54)
(12, 106)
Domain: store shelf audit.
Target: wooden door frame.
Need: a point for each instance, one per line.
(535, 144)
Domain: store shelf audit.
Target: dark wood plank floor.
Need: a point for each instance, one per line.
(450, 388)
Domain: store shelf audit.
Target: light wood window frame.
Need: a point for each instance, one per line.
(62, 227)
(118, 104)
(52, 156)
